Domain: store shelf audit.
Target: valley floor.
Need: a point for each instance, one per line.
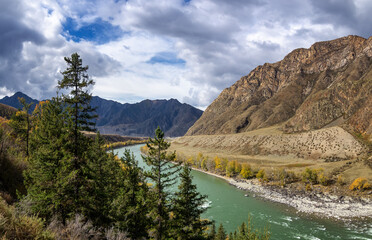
(332, 149)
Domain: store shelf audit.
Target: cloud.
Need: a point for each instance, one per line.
(138, 49)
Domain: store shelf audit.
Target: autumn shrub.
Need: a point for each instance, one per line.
(76, 228)
(246, 171)
(283, 176)
(17, 226)
(360, 184)
(233, 168)
(261, 175)
(310, 175)
(340, 180)
(220, 165)
(323, 179)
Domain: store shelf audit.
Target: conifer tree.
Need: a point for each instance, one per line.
(45, 177)
(221, 234)
(212, 232)
(231, 237)
(21, 124)
(102, 174)
(162, 173)
(188, 208)
(77, 81)
(131, 204)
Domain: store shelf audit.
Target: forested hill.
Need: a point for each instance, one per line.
(138, 119)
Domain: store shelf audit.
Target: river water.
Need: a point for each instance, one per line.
(229, 206)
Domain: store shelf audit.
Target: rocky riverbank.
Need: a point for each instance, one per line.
(319, 203)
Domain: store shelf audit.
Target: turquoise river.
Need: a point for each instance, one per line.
(229, 206)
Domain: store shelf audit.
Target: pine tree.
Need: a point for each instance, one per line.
(212, 232)
(77, 80)
(188, 208)
(102, 176)
(130, 206)
(21, 124)
(221, 234)
(44, 177)
(163, 175)
(231, 237)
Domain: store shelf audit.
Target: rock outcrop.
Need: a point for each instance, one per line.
(328, 84)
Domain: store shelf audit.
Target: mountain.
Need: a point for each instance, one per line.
(141, 119)
(328, 84)
(138, 119)
(14, 102)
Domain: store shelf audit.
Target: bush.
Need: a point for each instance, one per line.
(16, 226)
(283, 176)
(310, 175)
(324, 180)
(308, 187)
(360, 184)
(246, 171)
(340, 180)
(261, 175)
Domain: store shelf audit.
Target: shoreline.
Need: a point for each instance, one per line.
(320, 204)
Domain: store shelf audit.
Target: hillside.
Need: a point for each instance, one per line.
(329, 83)
(141, 119)
(6, 111)
(312, 109)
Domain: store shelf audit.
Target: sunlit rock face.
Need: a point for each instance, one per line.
(328, 84)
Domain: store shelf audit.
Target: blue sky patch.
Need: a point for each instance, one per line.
(100, 31)
(168, 58)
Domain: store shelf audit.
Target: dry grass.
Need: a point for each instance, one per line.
(333, 149)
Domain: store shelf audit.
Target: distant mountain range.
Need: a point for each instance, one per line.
(138, 119)
(141, 119)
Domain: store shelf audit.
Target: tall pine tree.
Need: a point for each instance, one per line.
(163, 174)
(77, 81)
(188, 208)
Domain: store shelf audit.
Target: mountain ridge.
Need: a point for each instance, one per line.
(307, 89)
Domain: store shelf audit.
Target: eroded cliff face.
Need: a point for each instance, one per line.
(328, 84)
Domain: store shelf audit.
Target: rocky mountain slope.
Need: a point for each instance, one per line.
(328, 84)
(141, 119)
(138, 119)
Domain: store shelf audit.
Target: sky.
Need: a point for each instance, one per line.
(189, 50)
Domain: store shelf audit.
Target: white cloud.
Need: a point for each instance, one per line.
(220, 41)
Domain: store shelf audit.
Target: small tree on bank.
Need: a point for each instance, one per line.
(163, 175)
(188, 208)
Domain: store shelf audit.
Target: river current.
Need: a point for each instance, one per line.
(231, 206)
